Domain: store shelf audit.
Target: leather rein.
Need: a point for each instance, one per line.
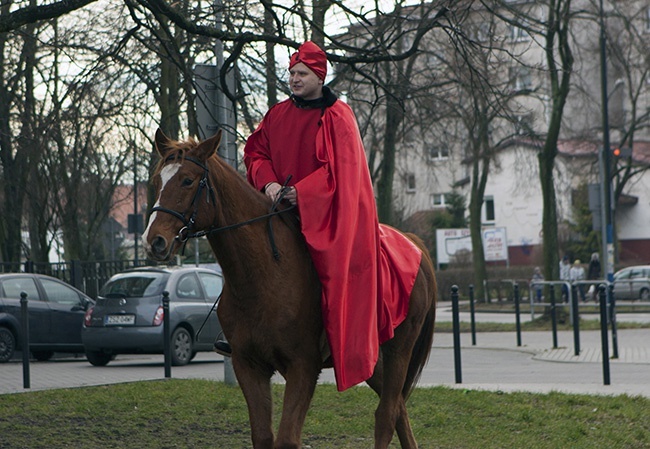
(187, 231)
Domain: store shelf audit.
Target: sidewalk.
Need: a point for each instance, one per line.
(496, 363)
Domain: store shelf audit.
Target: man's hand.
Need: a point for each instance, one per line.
(273, 189)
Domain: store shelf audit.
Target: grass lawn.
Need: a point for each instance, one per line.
(177, 413)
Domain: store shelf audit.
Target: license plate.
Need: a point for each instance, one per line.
(119, 320)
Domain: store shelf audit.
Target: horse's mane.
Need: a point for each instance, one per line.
(176, 150)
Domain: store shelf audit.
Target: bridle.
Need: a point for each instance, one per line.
(187, 231)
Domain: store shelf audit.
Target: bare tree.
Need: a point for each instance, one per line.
(158, 42)
(17, 78)
(480, 107)
(390, 97)
(549, 23)
(628, 51)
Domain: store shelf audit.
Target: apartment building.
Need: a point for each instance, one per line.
(437, 148)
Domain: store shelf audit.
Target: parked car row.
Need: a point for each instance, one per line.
(126, 318)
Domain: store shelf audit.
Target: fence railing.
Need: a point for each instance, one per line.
(606, 303)
(87, 276)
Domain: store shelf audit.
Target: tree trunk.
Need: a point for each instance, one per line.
(271, 76)
(557, 49)
(394, 117)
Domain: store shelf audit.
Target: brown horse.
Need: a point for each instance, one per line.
(270, 308)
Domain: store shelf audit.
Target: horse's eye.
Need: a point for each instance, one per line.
(187, 182)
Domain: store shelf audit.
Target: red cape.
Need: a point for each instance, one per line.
(367, 270)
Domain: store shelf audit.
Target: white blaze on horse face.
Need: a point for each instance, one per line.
(166, 174)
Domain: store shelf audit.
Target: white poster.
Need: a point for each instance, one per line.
(451, 241)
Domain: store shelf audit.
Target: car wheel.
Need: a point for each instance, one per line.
(644, 295)
(98, 358)
(7, 344)
(181, 347)
(42, 356)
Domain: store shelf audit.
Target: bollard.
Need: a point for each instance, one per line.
(167, 335)
(575, 321)
(553, 316)
(472, 316)
(229, 377)
(24, 318)
(517, 316)
(456, 327)
(602, 294)
(612, 320)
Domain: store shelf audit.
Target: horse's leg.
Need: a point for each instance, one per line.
(256, 387)
(402, 424)
(301, 377)
(390, 375)
(391, 415)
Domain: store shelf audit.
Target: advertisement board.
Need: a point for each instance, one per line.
(453, 242)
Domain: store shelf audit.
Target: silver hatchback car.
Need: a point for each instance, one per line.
(633, 283)
(128, 315)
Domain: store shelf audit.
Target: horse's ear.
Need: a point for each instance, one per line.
(209, 146)
(162, 142)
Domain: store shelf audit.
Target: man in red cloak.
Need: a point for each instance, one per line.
(367, 270)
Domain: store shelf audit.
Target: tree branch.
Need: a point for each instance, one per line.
(32, 14)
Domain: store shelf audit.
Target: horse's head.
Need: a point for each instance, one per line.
(185, 199)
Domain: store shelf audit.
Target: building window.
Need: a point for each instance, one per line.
(524, 124)
(437, 153)
(488, 209)
(518, 34)
(410, 183)
(520, 78)
(433, 59)
(483, 32)
(438, 200)
(647, 19)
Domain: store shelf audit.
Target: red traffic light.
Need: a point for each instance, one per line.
(622, 152)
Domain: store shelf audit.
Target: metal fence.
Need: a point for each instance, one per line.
(87, 276)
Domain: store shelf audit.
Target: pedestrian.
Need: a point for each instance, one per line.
(537, 277)
(593, 273)
(311, 142)
(565, 268)
(577, 274)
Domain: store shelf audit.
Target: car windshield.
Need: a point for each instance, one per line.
(135, 285)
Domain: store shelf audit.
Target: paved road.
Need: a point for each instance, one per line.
(496, 363)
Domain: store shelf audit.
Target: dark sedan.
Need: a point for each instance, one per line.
(56, 314)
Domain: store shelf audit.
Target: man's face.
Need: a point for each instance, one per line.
(304, 83)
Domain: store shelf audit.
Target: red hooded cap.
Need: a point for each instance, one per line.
(313, 57)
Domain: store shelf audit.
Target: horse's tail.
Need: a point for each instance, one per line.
(422, 348)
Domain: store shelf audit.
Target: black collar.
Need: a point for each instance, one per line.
(327, 100)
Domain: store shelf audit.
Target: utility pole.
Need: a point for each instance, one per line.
(215, 111)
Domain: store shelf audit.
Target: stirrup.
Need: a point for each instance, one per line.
(223, 347)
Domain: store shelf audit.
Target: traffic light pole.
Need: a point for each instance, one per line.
(607, 229)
